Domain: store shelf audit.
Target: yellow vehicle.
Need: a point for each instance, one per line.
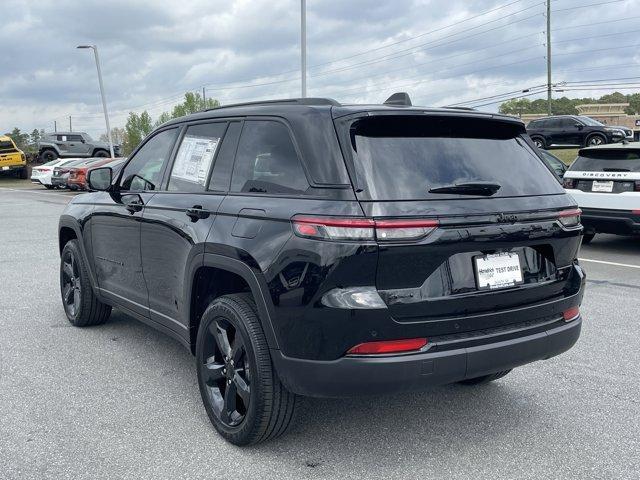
(12, 158)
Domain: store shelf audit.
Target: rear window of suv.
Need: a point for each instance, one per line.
(607, 161)
(403, 157)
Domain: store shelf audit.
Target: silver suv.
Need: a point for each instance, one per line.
(72, 144)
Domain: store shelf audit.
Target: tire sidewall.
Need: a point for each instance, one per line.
(85, 286)
(49, 155)
(541, 140)
(242, 433)
(590, 137)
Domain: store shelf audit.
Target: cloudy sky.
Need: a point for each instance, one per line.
(439, 51)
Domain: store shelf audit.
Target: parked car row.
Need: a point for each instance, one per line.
(70, 172)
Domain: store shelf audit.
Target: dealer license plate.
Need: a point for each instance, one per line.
(599, 186)
(499, 270)
(5, 168)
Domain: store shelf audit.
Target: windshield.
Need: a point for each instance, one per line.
(403, 157)
(607, 161)
(590, 121)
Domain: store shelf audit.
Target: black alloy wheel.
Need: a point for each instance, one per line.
(226, 372)
(595, 140)
(71, 285)
(241, 391)
(539, 142)
(80, 303)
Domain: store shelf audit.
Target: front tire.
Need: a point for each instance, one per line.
(80, 303)
(587, 237)
(484, 378)
(595, 140)
(241, 392)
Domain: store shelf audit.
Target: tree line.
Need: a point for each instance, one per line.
(567, 106)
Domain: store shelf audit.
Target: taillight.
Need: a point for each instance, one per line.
(569, 183)
(44, 169)
(570, 218)
(344, 228)
(388, 346)
(571, 314)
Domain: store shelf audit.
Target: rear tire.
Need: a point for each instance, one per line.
(587, 237)
(23, 174)
(48, 187)
(240, 389)
(101, 153)
(539, 141)
(48, 155)
(484, 378)
(80, 304)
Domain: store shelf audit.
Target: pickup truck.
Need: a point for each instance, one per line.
(12, 158)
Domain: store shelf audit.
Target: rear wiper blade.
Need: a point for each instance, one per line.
(471, 188)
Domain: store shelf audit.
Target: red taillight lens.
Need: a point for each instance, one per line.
(336, 228)
(388, 346)
(569, 183)
(570, 218)
(571, 314)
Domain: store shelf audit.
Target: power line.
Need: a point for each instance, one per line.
(409, 51)
(598, 36)
(587, 6)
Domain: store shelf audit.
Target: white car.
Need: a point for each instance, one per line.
(42, 173)
(605, 182)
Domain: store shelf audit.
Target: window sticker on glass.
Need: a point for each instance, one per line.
(194, 159)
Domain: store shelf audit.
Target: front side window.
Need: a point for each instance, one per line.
(567, 123)
(144, 171)
(195, 157)
(267, 161)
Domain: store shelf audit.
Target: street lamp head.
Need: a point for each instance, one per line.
(86, 46)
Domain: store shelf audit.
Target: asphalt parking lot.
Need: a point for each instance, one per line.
(121, 400)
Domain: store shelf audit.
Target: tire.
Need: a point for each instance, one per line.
(101, 154)
(484, 378)
(48, 155)
(587, 237)
(539, 141)
(48, 187)
(594, 140)
(80, 304)
(265, 409)
(23, 174)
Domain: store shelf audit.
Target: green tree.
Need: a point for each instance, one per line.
(615, 97)
(163, 118)
(118, 136)
(634, 104)
(20, 139)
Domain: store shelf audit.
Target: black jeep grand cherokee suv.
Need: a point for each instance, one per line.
(307, 247)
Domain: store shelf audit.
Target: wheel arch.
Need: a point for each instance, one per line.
(99, 149)
(233, 276)
(595, 134)
(69, 229)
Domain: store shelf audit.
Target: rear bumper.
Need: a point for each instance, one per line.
(620, 222)
(355, 376)
(8, 168)
(59, 181)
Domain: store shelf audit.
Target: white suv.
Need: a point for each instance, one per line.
(605, 182)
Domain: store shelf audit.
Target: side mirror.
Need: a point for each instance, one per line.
(100, 179)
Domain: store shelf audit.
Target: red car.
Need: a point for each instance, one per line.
(78, 175)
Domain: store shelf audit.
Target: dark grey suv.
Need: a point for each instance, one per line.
(573, 130)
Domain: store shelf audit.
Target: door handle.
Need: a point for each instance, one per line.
(133, 207)
(196, 213)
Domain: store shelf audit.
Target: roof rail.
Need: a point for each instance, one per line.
(283, 101)
(467, 109)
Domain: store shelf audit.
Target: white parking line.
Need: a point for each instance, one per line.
(627, 265)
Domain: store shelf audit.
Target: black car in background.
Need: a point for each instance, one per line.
(573, 130)
(304, 247)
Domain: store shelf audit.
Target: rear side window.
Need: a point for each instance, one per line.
(607, 161)
(266, 161)
(403, 157)
(195, 157)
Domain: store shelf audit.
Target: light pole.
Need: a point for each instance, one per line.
(104, 100)
(303, 45)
